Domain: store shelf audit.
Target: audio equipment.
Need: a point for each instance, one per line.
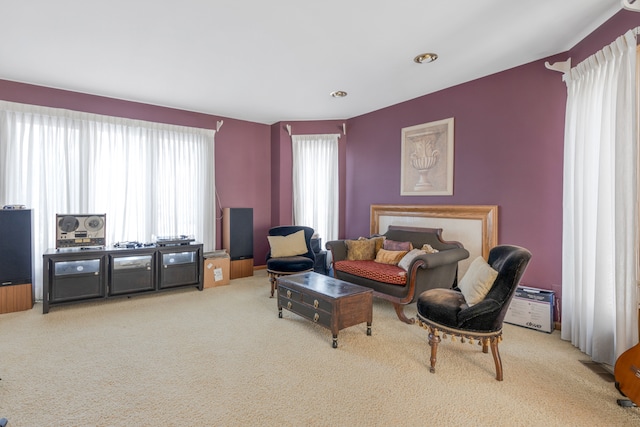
(237, 232)
(180, 240)
(73, 230)
(15, 246)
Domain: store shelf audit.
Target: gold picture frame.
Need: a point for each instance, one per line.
(427, 159)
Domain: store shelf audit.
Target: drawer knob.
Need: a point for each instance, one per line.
(289, 305)
(316, 317)
(288, 293)
(315, 303)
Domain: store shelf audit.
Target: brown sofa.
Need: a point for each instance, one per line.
(394, 283)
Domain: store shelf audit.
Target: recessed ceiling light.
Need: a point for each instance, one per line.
(338, 94)
(424, 58)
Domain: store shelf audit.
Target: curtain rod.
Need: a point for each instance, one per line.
(343, 128)
(565, 66)
(561, 66)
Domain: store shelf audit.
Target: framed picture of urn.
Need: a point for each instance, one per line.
(427, 159)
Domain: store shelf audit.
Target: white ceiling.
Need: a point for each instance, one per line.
(267, 61)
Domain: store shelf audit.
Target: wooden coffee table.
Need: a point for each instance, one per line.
(332, 303)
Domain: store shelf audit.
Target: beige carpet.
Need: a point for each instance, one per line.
(222, 357)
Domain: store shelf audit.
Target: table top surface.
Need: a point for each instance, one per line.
(324, 285)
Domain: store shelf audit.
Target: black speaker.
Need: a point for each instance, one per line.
(15, 246)
(237, 232)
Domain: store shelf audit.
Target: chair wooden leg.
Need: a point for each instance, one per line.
(485, 345)
(272, 279)
(434, 340)
(400, 313)
(496, 357)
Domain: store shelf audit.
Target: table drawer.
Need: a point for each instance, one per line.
(317, 316)
(310, 300)
(289, 293)
(317, 303)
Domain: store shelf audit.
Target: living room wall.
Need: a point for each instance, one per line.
(509, 130)
(508, 133)
(243, 167)
(509, 137)
(281, 165)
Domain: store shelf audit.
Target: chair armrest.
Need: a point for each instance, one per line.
(450, 256)
(338, 250)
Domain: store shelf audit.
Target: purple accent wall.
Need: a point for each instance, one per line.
(243, 165)
(508, 134)
(509, 138)
(281, 155)
(509, 131)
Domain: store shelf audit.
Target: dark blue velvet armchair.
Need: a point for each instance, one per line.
(283, 266)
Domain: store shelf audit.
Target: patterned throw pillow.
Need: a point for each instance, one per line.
(378, 239)
(392, 245)
(361, 250)
(390, 257)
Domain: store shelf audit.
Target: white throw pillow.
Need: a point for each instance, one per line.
(289, 245)
(477, 281)
(405, 262)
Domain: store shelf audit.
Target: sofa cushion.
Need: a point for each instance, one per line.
(477, 281)
(378, 239)
(406, 260)
(393, 245)
(361, 250)
(290, 245)
(372, 270)
(290, 264)
(389, 257)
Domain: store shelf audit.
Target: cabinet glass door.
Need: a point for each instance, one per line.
(78, 279)
(133, 273)
(179, 268)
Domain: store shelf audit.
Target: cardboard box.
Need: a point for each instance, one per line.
(532, 308)
(216, 269)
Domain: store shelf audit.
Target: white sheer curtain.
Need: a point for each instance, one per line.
(148, 178)
(600, 215)
(315, 183)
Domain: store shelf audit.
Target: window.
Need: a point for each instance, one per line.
(148, 178)
(315, 183)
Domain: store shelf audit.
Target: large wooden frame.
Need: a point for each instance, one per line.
(475, 226)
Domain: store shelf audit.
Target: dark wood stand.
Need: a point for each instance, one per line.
(332, 303)
(77, 275)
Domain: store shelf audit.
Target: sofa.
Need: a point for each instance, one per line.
(404, 262)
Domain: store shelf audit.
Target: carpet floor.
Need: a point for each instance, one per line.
(222, 357)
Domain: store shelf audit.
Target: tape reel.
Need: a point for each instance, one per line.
(94, 223)
(80, 230)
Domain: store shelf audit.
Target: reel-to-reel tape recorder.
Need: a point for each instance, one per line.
(74, 231)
